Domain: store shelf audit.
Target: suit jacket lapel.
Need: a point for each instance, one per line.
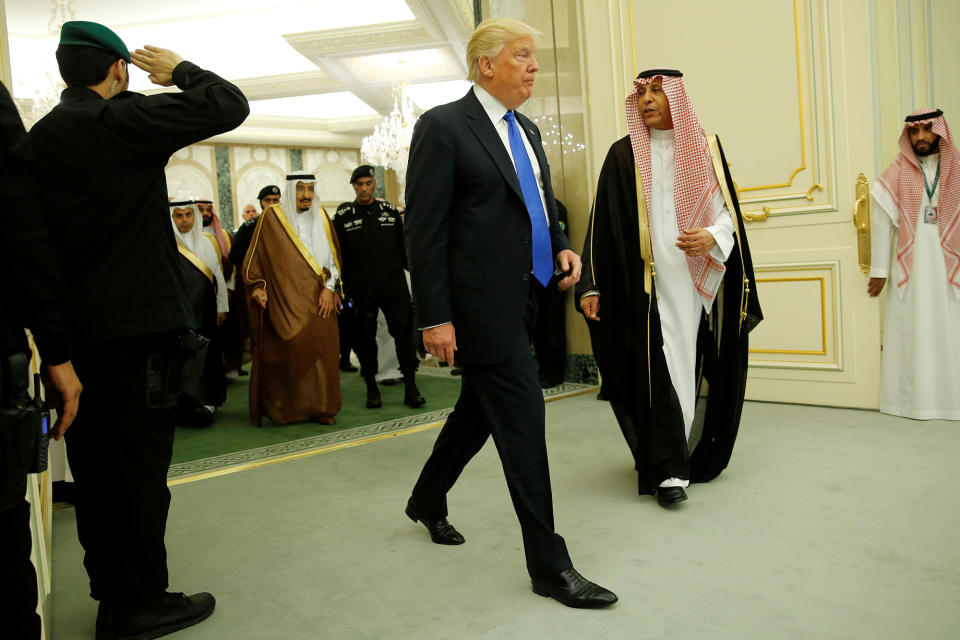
(482, 128)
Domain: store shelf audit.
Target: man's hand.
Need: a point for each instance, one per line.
(329, 303)
(441, 341)
(260, 297)
(696, 241)
(590, 306)
(876, 286)
(221, 316)
(158, 63)
(571, 265)
(63, 392)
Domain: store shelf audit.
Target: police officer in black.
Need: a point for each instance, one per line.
(374, 259)
(100, 156)
(31, 299)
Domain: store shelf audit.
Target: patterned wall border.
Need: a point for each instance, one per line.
(305, 447)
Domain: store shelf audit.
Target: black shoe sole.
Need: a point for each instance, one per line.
(159, 632)
(574, 605)
(414, 405)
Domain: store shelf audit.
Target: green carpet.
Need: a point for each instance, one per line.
(233, 432)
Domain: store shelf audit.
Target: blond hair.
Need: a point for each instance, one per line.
(489, 38)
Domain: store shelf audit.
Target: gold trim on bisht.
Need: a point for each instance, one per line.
(195, 261)
(714, 148)
(216, 248)
(649, 269)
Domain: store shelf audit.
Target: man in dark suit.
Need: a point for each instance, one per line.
(482, 236)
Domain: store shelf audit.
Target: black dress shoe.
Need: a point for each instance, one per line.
(173, 612)
(347, 367)
(667, 496)
(572, 589)
(411, 395)
(373, 394)
(441, 531)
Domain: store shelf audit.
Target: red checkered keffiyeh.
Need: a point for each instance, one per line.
(695, 182)
(218, 231)
(903, 180)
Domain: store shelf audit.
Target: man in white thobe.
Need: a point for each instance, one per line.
(917, 201)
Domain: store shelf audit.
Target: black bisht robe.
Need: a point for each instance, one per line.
(200, 294)
(640, 391)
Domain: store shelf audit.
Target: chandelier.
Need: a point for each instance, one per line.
(554, 137)
(389, 145)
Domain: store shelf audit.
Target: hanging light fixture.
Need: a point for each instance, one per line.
(389, 146)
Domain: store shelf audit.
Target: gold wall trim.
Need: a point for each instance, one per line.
(823, 317)
(800, 103)
(800, 100)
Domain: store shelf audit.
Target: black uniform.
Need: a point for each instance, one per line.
(31, 298)
(125, 305)
(241, 242)
(374, 260)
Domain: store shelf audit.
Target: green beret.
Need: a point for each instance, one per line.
(91, 34)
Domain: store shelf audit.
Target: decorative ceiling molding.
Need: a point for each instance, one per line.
(450, 21)
(288, 85)
(351, 42)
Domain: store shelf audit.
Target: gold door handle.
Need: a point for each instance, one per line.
(757, 217)
(861, 220)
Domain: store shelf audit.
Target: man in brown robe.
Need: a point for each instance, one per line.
(292, 270)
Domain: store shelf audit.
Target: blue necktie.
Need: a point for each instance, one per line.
(542, 249)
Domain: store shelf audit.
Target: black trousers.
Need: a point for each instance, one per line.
(398, 310)
(347, 325)
(18, 580)
(503, 400)
(120, 451)
(550, 333)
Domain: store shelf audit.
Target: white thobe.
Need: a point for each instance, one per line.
(313, 234)
(921, 336)
(680, 305)
(200, 245)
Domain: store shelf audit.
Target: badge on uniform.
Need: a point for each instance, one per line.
(929, 214)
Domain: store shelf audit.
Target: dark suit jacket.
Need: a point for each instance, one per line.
(99, 172)
(467, 229)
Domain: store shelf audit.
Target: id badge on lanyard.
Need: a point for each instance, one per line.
(930, 211)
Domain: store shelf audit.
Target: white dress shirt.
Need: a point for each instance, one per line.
(496, 111)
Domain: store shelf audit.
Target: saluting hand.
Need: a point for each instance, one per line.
(696, 241)
(158, 63)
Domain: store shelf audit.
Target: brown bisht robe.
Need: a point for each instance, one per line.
(295, 351)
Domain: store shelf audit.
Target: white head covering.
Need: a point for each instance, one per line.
(191, 239)
(311, 228)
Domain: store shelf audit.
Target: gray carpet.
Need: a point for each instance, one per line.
(828, 524)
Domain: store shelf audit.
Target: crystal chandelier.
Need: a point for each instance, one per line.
(389, 145)
(553, 136)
